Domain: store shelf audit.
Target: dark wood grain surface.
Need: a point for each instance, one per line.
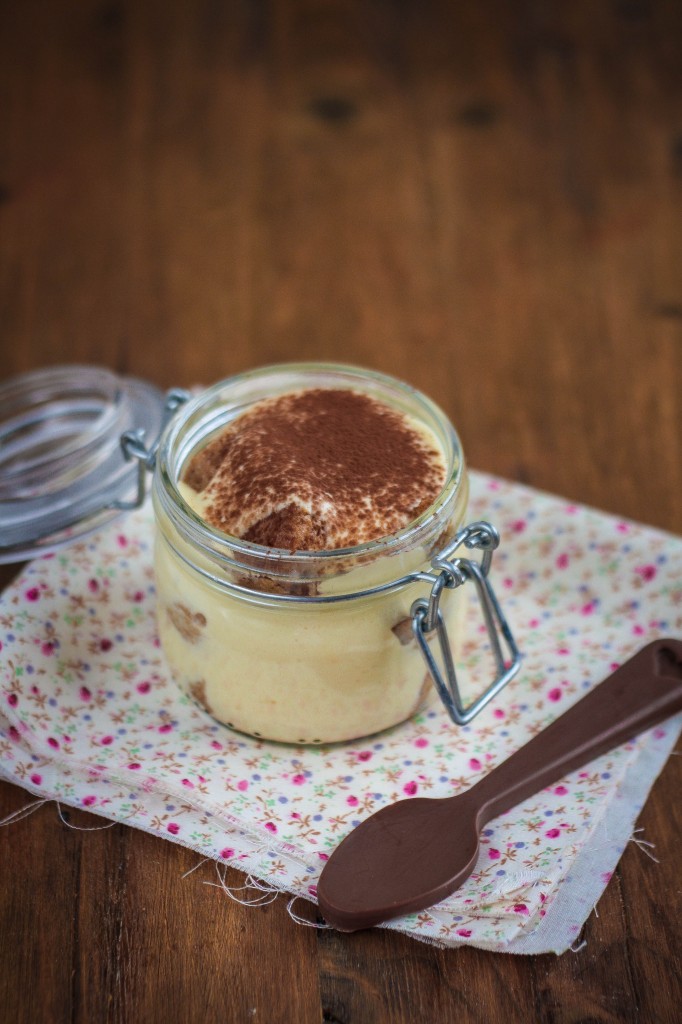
(483, 198)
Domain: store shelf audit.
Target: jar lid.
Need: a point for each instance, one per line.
(62, 470)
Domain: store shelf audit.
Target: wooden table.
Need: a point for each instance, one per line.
(483, 198)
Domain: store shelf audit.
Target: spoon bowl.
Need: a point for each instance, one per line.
(422, 849)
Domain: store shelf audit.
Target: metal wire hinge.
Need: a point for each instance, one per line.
(427, 618)
(132, 443)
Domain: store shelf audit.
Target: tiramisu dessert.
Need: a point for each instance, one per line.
(316, 470)
(325, 492)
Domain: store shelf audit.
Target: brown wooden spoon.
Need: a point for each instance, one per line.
(414, 853)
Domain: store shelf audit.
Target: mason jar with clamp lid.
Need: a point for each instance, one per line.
(311, 646)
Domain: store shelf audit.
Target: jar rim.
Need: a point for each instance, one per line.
(172, 457)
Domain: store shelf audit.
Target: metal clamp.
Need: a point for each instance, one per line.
(427, 618)
(132, 443)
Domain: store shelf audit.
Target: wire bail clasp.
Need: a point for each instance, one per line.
(427, 618)
(132, 444)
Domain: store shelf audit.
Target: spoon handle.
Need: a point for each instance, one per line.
(643, 691)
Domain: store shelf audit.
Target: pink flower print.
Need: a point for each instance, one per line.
(364, 755)
(534, 623)
(519, 525)
(93, 586)
(421, 742)
(270, 826)
(54, 743)
(659, 734)
(588, 608)
(227, 853)
(623, 527)
(410, 788)
(216, 745)
(323, 856)
(554, 694)
(560, 790)
(553, 833)
(33, 594)
(498, 713)
(12, 700)
(646, 572)
(520, 908)
(122, 540)
(312, 889)
(173, 827)
(36, 779)
(562, 560)
(166, 727)
(474, 764)
(638, 630)
(48, 648)
(144, 687)
(494, 854)
(105, 644)
(352, 801)
(242, 785)
(188, 783)
(508, 582)
(464, 932)
(134, 766)
(138, 596)
(13, 734)
(85, 693)
(106, 740)
(88, 801)
(298, 780)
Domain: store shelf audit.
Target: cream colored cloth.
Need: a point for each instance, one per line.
(90, 717)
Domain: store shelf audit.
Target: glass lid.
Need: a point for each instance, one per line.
(63, 473)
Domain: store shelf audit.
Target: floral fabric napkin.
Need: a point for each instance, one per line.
(90, 717)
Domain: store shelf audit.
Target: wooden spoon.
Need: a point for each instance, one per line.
(414, 853)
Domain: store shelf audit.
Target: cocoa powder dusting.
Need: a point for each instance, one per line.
(318, 469)
(204, 464)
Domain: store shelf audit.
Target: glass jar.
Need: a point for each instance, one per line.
(310, 647)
